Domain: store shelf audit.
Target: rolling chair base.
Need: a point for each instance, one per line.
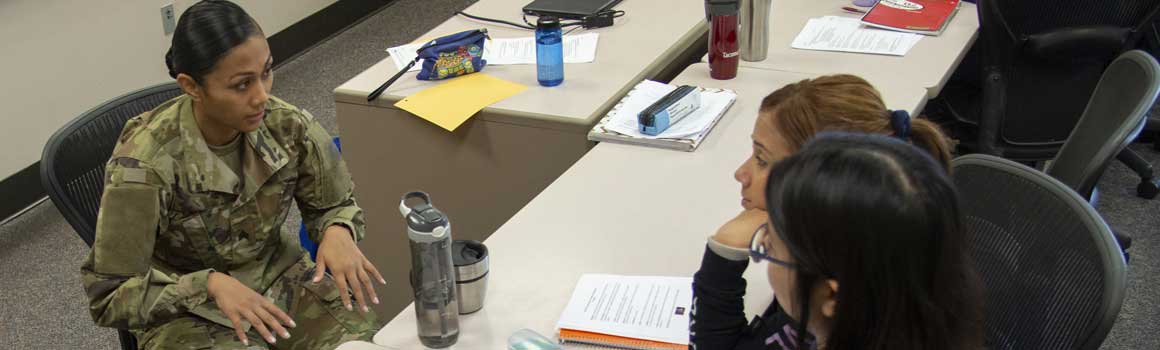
(1148, 188)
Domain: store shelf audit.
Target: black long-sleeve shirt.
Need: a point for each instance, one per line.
(718, 316)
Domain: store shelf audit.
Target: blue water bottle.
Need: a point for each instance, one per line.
(549, 51)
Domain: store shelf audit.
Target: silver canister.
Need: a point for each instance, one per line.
(471, 270)
(754, 34)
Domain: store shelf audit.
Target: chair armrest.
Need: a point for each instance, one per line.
(1077, 43)
(994, 103)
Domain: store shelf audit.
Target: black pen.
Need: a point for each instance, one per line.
(379, 91)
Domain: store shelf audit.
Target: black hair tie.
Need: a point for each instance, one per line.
(900, 122)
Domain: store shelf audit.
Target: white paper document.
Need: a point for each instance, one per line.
(641, 307)
(624, 119)
(580, 48)
(833, 33)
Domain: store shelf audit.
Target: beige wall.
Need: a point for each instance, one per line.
(58, 58)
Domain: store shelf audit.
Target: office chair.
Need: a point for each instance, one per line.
(1151, 44)
(1115, 115)
(72, 168)
(1053, 274)
(1040, 61)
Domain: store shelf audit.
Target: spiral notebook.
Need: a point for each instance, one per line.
(620, 124)
(628, 312)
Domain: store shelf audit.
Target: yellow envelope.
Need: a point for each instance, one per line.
(450, 103)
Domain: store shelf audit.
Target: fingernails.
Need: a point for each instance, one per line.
(292, 324)
(366, 309)
(246, 342)
(272, 340)
(348, 308)
(316, 279)
(286, 335)
(382, 281)
(375, 299)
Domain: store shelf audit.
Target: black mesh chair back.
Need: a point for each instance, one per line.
(72, 168)
(1053, 275)
(1042, 60)
(1114, 117)
(1029, 17)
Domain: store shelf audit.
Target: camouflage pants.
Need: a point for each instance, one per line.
(323, 322)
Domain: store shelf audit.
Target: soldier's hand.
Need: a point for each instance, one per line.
(238, 302)
(349, 268)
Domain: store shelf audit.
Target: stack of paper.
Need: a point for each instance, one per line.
(630, 312)
(579, 48)
(832, 33)
(620, 125)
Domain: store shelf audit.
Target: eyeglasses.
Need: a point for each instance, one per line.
(758, 252)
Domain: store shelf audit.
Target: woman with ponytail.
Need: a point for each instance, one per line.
(189, 250)
(788, 118)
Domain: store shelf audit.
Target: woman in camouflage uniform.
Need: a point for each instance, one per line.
(189, 253)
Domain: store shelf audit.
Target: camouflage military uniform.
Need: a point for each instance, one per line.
(173, 211)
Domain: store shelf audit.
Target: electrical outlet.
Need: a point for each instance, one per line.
(168, 20)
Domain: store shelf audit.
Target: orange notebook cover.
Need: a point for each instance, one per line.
(929, 17)
(590, 338)
(628, 312)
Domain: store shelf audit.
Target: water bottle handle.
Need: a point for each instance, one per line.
(406, 210)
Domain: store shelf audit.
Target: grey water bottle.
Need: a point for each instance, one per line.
(432, 271)
(754, 34)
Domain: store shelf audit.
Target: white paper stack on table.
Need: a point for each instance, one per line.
(621, 125)
(833, 33)
(629, 312)
(580, 48)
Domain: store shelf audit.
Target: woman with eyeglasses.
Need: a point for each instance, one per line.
(864, 249)
(788, 118)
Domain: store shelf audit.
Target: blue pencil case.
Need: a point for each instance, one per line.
(669, 110)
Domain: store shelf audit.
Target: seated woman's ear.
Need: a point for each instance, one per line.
(829, 297)
(189, 86)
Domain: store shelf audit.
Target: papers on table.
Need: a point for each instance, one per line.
(635, 307)
(832, 33)
(579, 48)
(452, 102)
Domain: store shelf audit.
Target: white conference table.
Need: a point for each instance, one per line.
(621, 209)
(491, 166)
(928, 64)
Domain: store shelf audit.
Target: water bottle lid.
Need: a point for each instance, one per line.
(547, 22)
(722, 7)
(421, 216)
(470, 259)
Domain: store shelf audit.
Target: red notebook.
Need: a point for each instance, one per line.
(929, 17)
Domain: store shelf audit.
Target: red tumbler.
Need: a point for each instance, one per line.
(724, 50)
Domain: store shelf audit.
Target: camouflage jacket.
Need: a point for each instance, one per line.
(172, 212)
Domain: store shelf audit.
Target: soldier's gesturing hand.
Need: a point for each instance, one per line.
(238, 302)
(348, 267)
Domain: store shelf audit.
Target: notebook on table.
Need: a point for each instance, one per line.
(927, 17)
(628, 312)
(620, 125)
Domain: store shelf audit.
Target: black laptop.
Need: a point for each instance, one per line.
(568, 9)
